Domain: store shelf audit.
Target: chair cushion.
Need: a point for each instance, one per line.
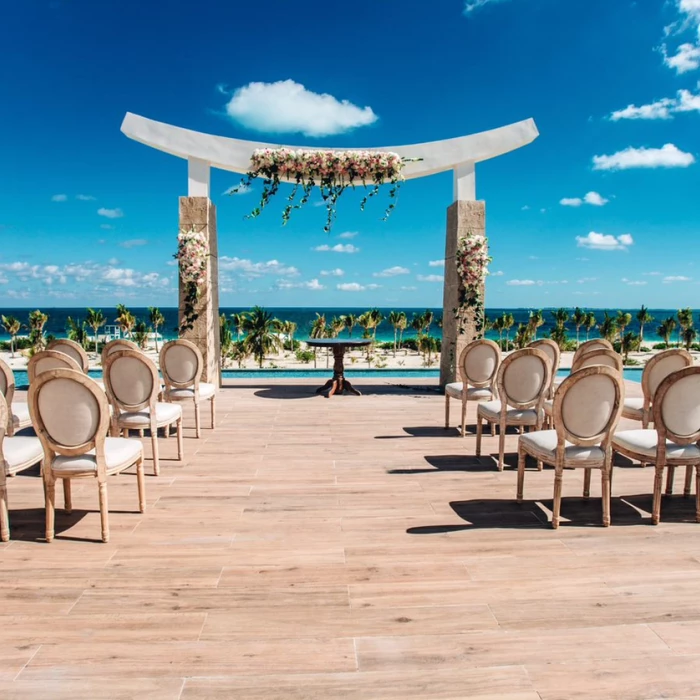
(643, 442)
(21, 452)
(473, 394)
(119, 454)
(206, 391)
(544, 442)
(20, 415)
(514, 416)
(166, 413)
(633, 408)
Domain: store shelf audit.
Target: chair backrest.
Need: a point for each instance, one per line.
(116, 346)
(181, 363)
(45, 360)
(659, 367)
(587, 406)
(4, 423)
(72, 349)
(551, 349)
(607, 358)
(7, 382)
(595, 344)
(131, 380)
(70, 413)
(524, 378)
(479, 362)
(676, 407)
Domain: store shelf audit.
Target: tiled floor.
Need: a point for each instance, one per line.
(348, 549)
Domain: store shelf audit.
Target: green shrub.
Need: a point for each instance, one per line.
(304, 356)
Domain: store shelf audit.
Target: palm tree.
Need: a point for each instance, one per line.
(402, 324)
(289, 329)
(689, 336)
(239, 353)
(37, 321)
(318, 330)
(237, 320)
(427, 345)
(125, 319)
(508, 321)
(579, 319)
(157, 319)
(336, 325)
(140, 334)
(535, 321)
(666, 328)
(350, 322)
(417, 324)
(608, 328)
(628, 342)
(12, 327)
(497, 325)
(560, 316)
(522, 335)
(95, 319)
(377, 317)
(225, 338)
(428, 318)
(365, 322)
(589, 323)
(261, 333)
(685, 320)
(558, 335)
(395, 321)
(643, 317)
(622, 321)
(75, 330)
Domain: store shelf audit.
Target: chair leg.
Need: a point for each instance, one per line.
(656, 502)
(141, 433)
(556, 509)
(697, 493)
(447, 411)
(166, 432)
(493, 430)
(180, 445)
(669, 480)
(50, 506)
(522, 456)
(67, 498)
(688, 481)
(140, 481)
(479, 428)
(587, 484)
(605, 485)
(501, 448)
(4, 516)
(213, 412)
(197, 427)
(104, 511)
(156, 456)
(464, 419)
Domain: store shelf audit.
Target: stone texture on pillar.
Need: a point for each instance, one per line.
(200, 213)
(463, 217)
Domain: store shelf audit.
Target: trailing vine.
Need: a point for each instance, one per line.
(472, 261)
(192, 254)
(331, 171)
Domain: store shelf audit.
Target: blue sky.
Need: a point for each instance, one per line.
(601, 210)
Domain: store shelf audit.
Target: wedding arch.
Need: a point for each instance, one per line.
(463, 292)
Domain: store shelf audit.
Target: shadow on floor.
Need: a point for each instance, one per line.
(674, 509)
(308, 391)
(29, 524)
(450, 463)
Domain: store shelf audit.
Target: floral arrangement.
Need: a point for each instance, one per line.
(192, 254)
(472, 260)
(332, 171)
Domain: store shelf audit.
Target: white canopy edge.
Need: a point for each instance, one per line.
(234, 154)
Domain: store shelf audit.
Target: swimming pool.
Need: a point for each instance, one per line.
(634, 374)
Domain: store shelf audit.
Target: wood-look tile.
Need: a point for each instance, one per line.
(93, 689)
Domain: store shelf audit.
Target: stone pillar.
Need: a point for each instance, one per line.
(463, 217)
(200, 213)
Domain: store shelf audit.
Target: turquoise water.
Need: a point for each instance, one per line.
(634, 375)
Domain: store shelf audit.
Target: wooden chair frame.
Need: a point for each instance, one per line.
(507, 401)
(96, 442)
(546, 342)
(150, 403)
(467, 381)
(590, 345)
(79, 350)
(116, 346)
(587, 357)
(661, 460)
(67, 360)
(603, 438)
(171, 384)
(9, 394)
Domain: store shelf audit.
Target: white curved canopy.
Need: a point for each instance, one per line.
(206, 150)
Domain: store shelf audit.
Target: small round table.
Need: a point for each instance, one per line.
(338, 384)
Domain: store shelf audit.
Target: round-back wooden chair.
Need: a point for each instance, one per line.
(17, 413)
(589, 345)
(551, 349)
(600, 356)
(72, 349)
(477, 368)
(46, 360)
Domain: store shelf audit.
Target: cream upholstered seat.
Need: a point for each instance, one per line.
(522, 382)
(46, 360)
(478, 365)
(655, 371)
(16, 454)
(18, 413)
(587, 408)
(133, 385)
(675, 440)
(181, 364)
(72, 349)
(71, 416)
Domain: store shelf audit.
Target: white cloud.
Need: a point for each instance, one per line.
(686, 58)
(133, 243)
(287, 107)
(392, 272)
(59, 198)
(473, 5)
(595, 199)
(498, 273)
(520, 283)
(525, 208)
(337, 272)
(252, 270)
(571, 202)
(634, 283)
(337, 248)
(669, 156)
(652, 274)
(584, 280)
(110, 213)
(408, 289)
(85, 197)
(685, 101)
(676, 278)
(347, 234)
(356, 287)
(430, 278)
(314, 285)
(604, 241)
(436, 263)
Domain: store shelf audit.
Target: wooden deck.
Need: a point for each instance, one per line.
(348, 549)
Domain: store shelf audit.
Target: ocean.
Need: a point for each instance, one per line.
(304, 317)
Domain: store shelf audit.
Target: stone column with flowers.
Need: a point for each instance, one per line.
(466, 267)
(197, 257)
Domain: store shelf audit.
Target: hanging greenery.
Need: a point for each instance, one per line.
(331, 171)
(192, 254)
(472, 260)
